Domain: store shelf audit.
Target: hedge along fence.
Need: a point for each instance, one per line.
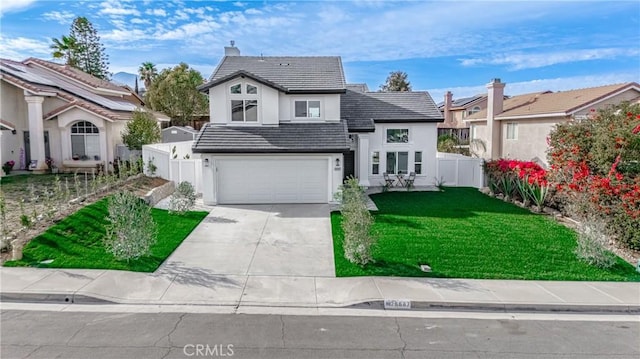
(515, 179)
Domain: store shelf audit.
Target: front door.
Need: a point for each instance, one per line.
(349, 164)
(27, 147)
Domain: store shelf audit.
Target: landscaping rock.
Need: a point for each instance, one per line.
(157, 194)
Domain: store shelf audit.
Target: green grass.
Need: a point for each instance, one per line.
(462, 233)
(76, 241)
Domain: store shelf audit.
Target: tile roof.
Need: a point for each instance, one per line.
(562, 102)
(462, 102)
(415, 106)
(294, 74)
(76, 74)
(361, 125)
(320, 137)
(71, 85)
(358, 87)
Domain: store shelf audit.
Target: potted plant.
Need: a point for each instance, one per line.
(8, 166)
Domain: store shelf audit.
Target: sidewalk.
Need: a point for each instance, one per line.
(197, 287)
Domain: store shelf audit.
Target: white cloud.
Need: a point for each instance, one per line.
(156, 12)
(19, 48)
(125, 35)
(180, 15)
(137, 20)
(538, 85)
(187, 31)
(14, 5)
(62, 17)
(253, 11)
(240, 4)
(519, 61)
(117, 8)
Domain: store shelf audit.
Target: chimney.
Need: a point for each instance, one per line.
(495, 99)
(448, 99)
(231, 50)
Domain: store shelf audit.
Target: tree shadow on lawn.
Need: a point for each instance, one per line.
(459, 202)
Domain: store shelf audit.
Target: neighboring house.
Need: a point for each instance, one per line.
(518, 127)
(289, 130)
(456, 111)
(55, 111)
(178, 134)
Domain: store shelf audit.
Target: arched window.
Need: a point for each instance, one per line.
(474, 110)
(85, 140)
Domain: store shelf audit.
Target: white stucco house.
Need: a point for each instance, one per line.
(289, 130)
(517, 127)
(49, 110)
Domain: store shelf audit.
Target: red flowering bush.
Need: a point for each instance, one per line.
(596, 170)
(526, 179)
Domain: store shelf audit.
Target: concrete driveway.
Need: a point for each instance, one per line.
(260, 240)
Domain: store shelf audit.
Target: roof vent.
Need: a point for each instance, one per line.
(284, 64)
(231, 50)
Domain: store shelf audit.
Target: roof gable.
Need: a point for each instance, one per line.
(291, 74)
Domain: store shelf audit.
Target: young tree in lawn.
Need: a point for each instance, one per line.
(148, 73)
(397, 81)
(143, 129)
(89, 52)
(174, 93)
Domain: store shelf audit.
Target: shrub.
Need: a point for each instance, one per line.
(594, 164)
(141, 130)
(131, 231)
(525, 178)
(592, 241)
(356, 224)
(183, 199)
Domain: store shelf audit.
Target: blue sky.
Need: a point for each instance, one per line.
(442, 45)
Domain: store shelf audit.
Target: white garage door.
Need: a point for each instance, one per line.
(272, 181)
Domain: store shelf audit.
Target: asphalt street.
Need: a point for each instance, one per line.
(45, 334)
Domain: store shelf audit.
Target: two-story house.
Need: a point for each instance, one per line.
(518, 127)
(287, 130)
(456, 111)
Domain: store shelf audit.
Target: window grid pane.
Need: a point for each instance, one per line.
(403, 162)
(391, 162)
(301, 109)
(314, 109)
(252, 90)
(237, 114)
(398, 135)
(251, 110)
(236, 88)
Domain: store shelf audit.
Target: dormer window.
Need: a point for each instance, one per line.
(307, 109)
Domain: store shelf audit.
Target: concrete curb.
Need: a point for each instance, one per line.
(72, 298)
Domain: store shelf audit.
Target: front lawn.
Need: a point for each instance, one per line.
(76, 241)
(462, 233)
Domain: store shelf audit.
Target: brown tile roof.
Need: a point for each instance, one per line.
(111, 115)
(75, 74)
(562, 102)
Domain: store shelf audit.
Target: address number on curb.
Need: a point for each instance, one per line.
(397, 304)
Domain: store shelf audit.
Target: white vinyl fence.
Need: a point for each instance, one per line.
(460, 171)
(174, 162)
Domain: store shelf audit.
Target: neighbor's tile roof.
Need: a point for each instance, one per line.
(321, 137)
(71, 85)
(75, 74)
(462, 102)
(389, 107)
(288, 73)
(562, 102)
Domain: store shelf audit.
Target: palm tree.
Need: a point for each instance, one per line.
(66, 48)
(147, 73)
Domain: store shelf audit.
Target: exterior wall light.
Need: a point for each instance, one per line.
(206, 162)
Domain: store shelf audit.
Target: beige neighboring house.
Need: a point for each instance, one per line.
(518, 127)
(49, 110)
(456, 111)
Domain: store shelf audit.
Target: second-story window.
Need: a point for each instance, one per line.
(244, 102)
(307, 109)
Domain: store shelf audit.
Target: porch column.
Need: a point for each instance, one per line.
(363, 159)
(36, 132)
